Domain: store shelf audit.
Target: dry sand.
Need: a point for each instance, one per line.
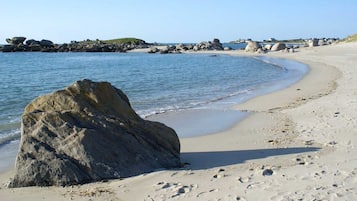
(299, 144)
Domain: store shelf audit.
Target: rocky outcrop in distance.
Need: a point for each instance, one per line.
(16, 44)
(278, 47)
(15, 40)
(252, 46)
(275, 45)
(88, 132)
(256, 47)
(215, 44)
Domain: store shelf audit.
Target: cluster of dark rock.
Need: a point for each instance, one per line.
(206, 45)
(89, 132)
(209, 45)
(18, 44)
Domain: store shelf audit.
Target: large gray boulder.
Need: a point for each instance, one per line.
(268, 46)
(252, 46)
(89, 132)
(16, 40)
(313, 42)
(209, 45)
(46, 43)
(32, 42)
(278, 47)
(217, 45)
(7, 48)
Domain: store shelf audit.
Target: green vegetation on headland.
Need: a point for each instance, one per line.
(134, 41)
(352, 38)
(300, 40)
(125, 40)
(20, 44)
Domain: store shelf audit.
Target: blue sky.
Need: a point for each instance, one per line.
(176, 21)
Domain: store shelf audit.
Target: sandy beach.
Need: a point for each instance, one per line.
(299, 143)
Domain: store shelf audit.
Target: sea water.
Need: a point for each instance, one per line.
(178, 85)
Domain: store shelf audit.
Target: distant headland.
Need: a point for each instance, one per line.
(20, 44)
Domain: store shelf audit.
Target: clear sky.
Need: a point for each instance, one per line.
(176, 21)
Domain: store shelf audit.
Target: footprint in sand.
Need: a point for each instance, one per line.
(220, 174)
(304, 160)
(244, 179)
(175, 189)
(201, 194)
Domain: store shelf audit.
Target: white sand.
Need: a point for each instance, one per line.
(305, 136)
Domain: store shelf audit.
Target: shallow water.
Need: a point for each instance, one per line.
(178, 85)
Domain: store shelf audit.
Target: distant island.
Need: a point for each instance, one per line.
(20, 44)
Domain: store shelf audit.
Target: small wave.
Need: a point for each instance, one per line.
(9, 137)
(297, 69)
(12, 125)
(231, 95)
(193, 105)
(155, 111)
(268, 61)
(221, 98)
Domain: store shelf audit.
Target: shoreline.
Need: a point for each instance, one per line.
(325, 85)
(220, 116)
(217, 115)
(298, 143)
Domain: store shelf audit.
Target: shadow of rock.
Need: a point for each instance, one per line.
(205, 160)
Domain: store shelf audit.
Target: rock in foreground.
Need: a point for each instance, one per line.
(89, 132)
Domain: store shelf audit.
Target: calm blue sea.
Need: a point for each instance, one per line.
(154, 83)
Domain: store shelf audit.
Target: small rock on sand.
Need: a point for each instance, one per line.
(268, 172)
